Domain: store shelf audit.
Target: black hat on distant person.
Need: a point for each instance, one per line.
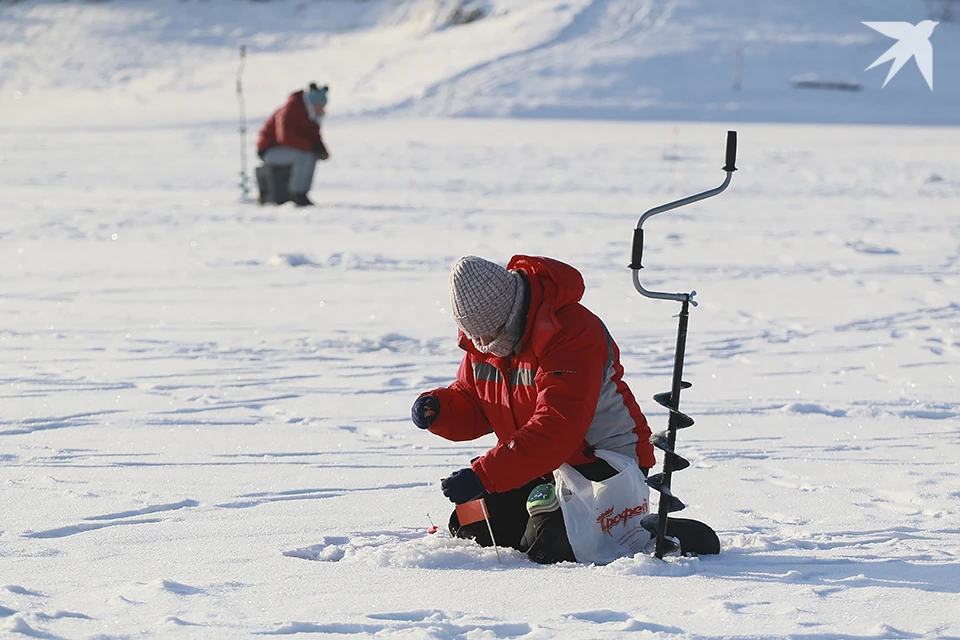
(317, 95)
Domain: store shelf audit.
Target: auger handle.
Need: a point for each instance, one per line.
(730, 167)
(636, 252)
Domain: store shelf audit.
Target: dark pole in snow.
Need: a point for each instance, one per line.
(243, 124)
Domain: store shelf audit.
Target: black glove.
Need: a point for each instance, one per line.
(321, 152)
(462, 486)
(425, 410)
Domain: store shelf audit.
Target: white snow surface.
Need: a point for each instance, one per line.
(204, 415)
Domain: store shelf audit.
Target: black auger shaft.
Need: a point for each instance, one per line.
(675, 422)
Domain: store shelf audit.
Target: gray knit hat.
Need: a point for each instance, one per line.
(482, 294)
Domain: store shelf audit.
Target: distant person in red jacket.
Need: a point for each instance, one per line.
(543, 373)
(291, 136)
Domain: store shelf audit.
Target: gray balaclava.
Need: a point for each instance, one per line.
(485, 297)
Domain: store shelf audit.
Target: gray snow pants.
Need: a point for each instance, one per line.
(302, 164)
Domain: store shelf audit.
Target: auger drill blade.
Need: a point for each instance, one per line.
(673, 503)
(655, 482)
(680, 420)
(665, 399)
(659, 440)
(650, 523)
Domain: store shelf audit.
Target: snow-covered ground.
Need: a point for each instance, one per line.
(204, 414)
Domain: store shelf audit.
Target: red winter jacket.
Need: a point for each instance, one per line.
(561, 395)
(290, 126)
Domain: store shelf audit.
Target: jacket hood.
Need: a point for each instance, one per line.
(561, 284)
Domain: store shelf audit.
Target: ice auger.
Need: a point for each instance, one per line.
(666, 441)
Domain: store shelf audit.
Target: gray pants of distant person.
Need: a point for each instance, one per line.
(302, 164)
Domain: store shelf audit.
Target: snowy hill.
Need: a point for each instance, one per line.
(130, 61)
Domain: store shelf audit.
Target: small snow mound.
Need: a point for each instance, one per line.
(648, 565)
(865, 247)
(179, 588)
(886, 631)
(181, 622)
(599, 616)
(60, 613)
(294, 628)
(652, 627)
(21, 591)
(408, 549)
(318, 552)
(18, 625)
(934, 177)
(930, 414)
(810, 407)
(416, 615)
(291, 260)
(752, 542)
(4, 612)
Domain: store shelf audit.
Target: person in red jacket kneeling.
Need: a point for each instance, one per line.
(291, 136)
(543, 373)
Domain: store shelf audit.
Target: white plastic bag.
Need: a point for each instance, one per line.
(603, 518)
